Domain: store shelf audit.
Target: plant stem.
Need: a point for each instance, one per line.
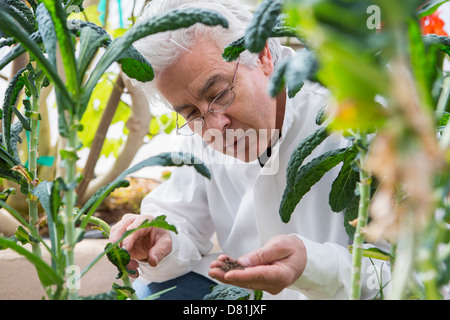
(127, 283)
(363, 216)
(404, 264)
(98, 222)
(32, 162)
(443, 98)
(69, 199)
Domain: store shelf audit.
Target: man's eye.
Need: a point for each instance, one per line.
(191, 114)
(224, 97)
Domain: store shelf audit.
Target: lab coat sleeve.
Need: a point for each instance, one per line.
(327, 273)
(183, 200)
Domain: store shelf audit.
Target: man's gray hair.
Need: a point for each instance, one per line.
(163, 49)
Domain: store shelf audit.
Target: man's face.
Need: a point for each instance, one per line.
(243, 129)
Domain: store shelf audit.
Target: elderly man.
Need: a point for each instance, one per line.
(246, 138)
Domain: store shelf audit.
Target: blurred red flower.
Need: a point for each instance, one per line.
(433, 24)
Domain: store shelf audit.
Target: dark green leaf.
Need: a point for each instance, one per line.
(442, 42)
(233, 50)
(158, 222)
(64, 36)
(293, 72)
(75, 26)
(20, 12)
(343, 188)
(260, 28)
(49, 196)
(170, 159)
(227, 292)
(47, 31)
(24, 237)
(18, 49)
(135, 66)
(11, 157)
(118, 257)
(351, 213)
(7, 42)
(22, 119)
(303, 150)
(164, 159)
(10, 27)
(321, 116)
(110, 295)
(97, 198)
(90, 41)
(122, 292)
(306, 177)
(258, 294)
(172, 20)
(15, 85)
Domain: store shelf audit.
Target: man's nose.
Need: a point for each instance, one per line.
(217, 121)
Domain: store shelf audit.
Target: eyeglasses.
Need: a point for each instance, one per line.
(218, 104)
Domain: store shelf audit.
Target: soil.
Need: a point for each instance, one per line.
(231, 265)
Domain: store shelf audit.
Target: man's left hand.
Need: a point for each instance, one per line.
(271, 268)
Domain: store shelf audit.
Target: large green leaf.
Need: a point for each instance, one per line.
(293, 72)
(100, 195)
(18, 49)
(164, 159)
(233, 50)
(10, 157)
(47, 31)
(120, 258)
(172, 20)
(90, 41)
(227, 292)
(135, 66)
(20, 12)
(12, 91)
(260, 28)
(351, 213)
(343, 188)
(49, 196)
(11, 28)
(158, 222)
(64, 36)
(303, 150)
(306, 177)
(46, 274)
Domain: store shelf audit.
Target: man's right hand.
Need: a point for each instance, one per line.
(148, 244)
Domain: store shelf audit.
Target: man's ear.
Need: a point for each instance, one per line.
(265, 60)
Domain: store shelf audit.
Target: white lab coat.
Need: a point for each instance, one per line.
(240, 204)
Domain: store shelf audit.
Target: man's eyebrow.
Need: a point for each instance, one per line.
(209, 83)
(181, 108)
